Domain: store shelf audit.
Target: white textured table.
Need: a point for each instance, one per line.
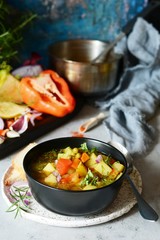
(128, 226)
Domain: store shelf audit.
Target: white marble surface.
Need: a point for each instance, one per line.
(129, 226)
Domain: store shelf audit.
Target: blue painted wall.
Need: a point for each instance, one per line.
(70, 19)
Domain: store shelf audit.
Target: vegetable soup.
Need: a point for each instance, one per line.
(76, 168)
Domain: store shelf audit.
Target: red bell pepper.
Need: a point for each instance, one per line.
(47, 93)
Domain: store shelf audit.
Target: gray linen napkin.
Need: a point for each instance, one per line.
(135, 100)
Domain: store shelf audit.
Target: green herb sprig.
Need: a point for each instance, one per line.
(11, 31)
(84, 147)
(89, 179)
(21, 200)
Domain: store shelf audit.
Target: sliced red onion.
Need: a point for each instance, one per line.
(28, 70)
(35, 57)
(20, 125)
(59, 178)
(33, 111)
(99, 158)
(34, 116)
(57, 175)
(1, 124)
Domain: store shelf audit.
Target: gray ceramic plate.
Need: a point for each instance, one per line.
(122, 204)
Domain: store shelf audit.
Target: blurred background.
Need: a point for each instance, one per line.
(71, 19)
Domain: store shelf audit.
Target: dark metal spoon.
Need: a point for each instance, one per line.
(145, 209)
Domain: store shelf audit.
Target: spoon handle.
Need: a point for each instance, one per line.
(103, 54)
(145, 209)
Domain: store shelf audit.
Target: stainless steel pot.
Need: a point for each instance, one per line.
(73, 60)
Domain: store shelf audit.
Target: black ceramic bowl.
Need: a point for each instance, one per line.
(67, 202)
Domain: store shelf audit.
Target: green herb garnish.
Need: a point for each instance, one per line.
(89, 179)
(21, 200)
(94, 150)
(84, 147)
(107, 160)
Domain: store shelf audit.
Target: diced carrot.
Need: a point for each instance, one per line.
(65, 179)
(63, 165)
(84, 157)
(75, 163)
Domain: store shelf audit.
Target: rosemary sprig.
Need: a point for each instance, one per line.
(21, 200)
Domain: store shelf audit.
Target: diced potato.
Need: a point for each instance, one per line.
(119, 175)
(68, 151)
(63, 155)
(118, 166)
(74, 178)
(113, 174)
(75, 150)
(89, 187)
(49, 168)
(81, 170)
(92, 160)
(71, 170)
(77, 155)
(50, 180)
(102, 168)
(93, 156)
